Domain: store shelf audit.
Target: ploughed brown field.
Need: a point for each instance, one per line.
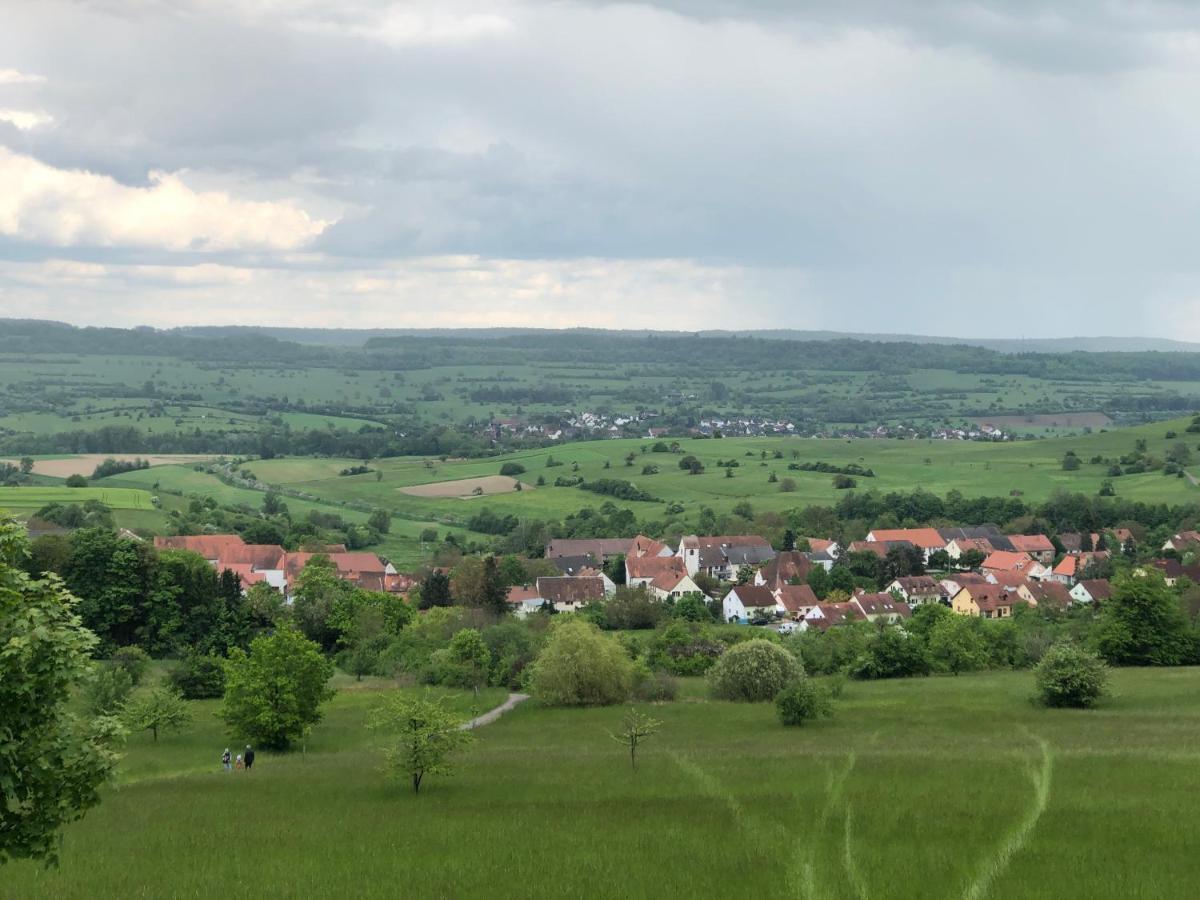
(465, 487)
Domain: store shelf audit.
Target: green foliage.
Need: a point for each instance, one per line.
(1070, 676)
(636, 727)
(955, 644)
(76, 481)
(580, 666)
(107, 690)
(512, 469)
(161, 709)
(52, 762)
(198, 677)
(891, 653)
(134, 660)
(465, 662)
(802, 701)
(423, 734)
(684, 648)
(380, 520)
(753, 671)
(632, 609)
(273, 694)
(1143, 624)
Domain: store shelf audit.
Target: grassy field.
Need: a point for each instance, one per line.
(28, 498)
(943, 787)
(1033, 470)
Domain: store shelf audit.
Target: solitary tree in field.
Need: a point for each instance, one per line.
(52, 762)
(380, 520)
(161, 709)
(274, 693)
(637, 727)
(425, 734)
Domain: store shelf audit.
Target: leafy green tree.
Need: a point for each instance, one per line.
(818, 580)
(465, 662)
(753, 671)
(512, 571)
(636, 727)
(52, 761)
(273, 694)
(435, 591)
(579, 666)
(892, 653)
(380, 520)
(198, 677)
(319, 591)
(107, 690)
(802, 701)
(955, 645)
(1143, 624)
(116, 582)
(691, 608)
(134, 660)
(1070, 676)
(161, 709)
(424, 734)
(26, 465)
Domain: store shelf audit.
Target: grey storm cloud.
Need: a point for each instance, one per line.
(903, 159)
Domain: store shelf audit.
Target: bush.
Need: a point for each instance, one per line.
(753, 671)
(199, 677)
(76, 481)
(801, 701)
(658, 687)
(512, 469)
(1070, 676)
(581, 667)
(133, 660)
(108, 690)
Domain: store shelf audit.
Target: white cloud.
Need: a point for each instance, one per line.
(12, 76)
(64, 208)
(26, 119)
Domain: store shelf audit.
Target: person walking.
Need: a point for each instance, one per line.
(226, 760)
(238, 765)
(249, 757)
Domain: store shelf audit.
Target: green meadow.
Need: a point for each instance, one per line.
(942, 787)
(1031, 470)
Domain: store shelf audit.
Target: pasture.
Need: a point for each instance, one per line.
(929, 788)
(1031, 470)
(32, 498)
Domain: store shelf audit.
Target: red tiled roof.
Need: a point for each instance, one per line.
(784, 567)
(754, 596)
(521, 593)
(925, 538)
(795, 597)
(1008, 561)
(570, 589)
(1031, 543)
(210, 546)
(653, 566)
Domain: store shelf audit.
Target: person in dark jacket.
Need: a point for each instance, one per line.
(249, 757)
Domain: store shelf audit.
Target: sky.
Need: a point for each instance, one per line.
(998, 168)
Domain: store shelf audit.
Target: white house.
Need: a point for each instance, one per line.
(673, 585)
(744, 601)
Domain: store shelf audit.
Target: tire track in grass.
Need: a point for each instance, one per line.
(803, 871)
(1040, 777)
(852, 873)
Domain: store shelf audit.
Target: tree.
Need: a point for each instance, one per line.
(425, 735)
(274, 693)
(160, 709)
(116, 582)
(108, 690)
(465, 662)
(802, 701)
(1070, 676)
(52, 761)
(789, 540)
(955, 645)
(579, 666)
(495, 590)
(198, 677)
(692, 608)
(1070, 462)
(753, 671)
(76, 481)
(435, 590)
(26, 465)
(1142, 624)
(818, 580)
(272, 505)
(319, 591)
(380, 520)
(637, 727)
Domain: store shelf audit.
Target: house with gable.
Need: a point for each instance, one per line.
(641, 570)
(722, 555)
(990, 601)
(1092, 590)
(918, 589)
(927, 540)
(745, 602)
(570, 593)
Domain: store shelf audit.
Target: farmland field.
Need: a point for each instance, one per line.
(85, 463)
(929, 788)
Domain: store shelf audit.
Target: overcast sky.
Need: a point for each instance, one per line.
(1004, 168)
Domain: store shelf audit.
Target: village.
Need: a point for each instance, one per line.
(977, 572)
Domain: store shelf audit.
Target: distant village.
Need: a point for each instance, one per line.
(975, 571)
(646, 424)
